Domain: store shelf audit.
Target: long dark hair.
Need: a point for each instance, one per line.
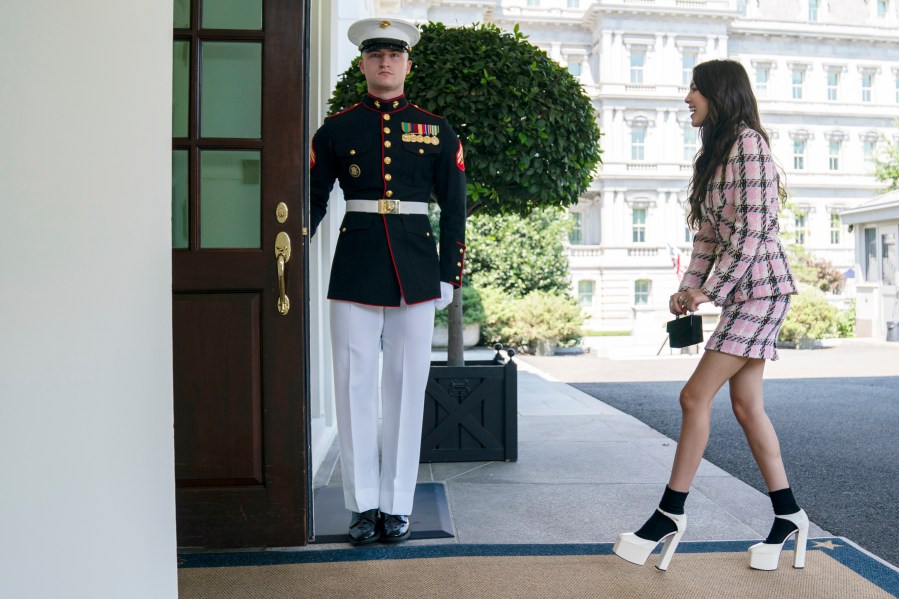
(732, 105)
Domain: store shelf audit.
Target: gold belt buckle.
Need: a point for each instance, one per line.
(388, 206)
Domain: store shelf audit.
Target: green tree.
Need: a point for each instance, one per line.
(529, 131)
(886, 165)
(519, 254)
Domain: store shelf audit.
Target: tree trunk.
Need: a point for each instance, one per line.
(454, 350)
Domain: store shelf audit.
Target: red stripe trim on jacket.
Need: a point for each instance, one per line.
(396, 271)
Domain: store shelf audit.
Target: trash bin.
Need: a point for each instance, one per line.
(893, 330)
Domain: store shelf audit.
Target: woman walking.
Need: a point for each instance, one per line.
(737, 263)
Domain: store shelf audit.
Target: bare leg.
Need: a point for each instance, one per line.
(714, 369)
(668, 522)
(749, 407)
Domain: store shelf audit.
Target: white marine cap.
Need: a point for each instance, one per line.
(373, 34)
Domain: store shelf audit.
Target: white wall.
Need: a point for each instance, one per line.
(86, 444)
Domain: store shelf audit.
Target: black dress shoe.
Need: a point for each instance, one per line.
(364, 527)
(395, 528)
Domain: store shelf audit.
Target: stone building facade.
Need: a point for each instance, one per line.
(826, 74)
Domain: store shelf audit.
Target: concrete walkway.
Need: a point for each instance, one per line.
(587, 471)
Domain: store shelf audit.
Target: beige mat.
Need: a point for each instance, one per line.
(714, 575)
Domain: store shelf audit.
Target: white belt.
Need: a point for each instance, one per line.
(387, 206)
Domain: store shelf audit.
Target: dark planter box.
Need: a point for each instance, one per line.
(471, 413)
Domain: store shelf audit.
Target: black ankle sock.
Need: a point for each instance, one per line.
(660, 525)
(783, 501)
(784, 504)
(780, 531)
(673, 501)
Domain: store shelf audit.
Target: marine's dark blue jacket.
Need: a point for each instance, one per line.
(391, 149)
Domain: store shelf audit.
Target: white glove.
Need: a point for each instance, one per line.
(446, 296)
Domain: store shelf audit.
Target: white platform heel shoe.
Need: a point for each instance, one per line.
(636, 550)
(765, 556)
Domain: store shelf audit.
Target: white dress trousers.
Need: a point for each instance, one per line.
(357, 331)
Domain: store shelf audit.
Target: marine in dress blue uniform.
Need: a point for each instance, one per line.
(390, 159)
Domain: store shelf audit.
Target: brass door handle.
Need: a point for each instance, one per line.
(282, 255)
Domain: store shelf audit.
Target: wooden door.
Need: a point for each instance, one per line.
(239, 142)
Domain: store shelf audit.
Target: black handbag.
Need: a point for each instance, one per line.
(684, 332)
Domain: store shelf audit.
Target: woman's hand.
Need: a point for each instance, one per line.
(686, 301)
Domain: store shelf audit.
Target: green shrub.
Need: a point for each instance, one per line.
(810, 317)
(499, 309)
(538, 316)
(846, 321)
(472, 308)
(548, 316)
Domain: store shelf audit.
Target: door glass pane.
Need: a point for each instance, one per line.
(232, 14)
(230, 204)
(871, 255)
(888, 256)
(180, 87)
(231, 89)
(180, 188)
(182, 14)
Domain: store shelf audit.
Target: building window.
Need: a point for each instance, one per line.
(888, 258)
(638, 142)
(533, 2)
(833, 83)
(897, 87)
(585, 293)
(868, 151)
(688, 61)
(688, 234)
(689, 144)
(576, 236)
(638, 61)
(638, 234)
(798, 81)
(882, 8)
(799, 154)
(834, 155)
(867, 82)
(761, 81)
(574, 68)
(574, 3)
(641, 292)
(812, 10)
(870, 254)
(836, 228)
(801, 227)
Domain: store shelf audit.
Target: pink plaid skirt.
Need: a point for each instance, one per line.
(749, 329)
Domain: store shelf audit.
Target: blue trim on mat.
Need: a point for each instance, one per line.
(864, 565)
(380, 552)
(845, 553)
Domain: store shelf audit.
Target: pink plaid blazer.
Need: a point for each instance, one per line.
(736, 253)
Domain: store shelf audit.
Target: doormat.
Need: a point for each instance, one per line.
(430, 514)
(835, 568)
